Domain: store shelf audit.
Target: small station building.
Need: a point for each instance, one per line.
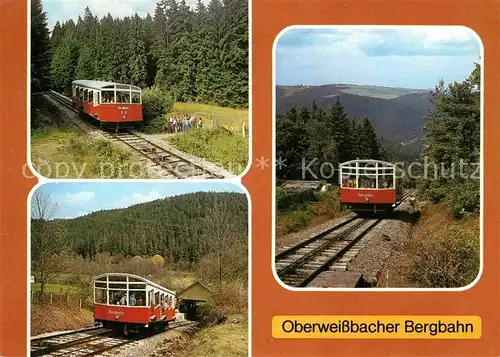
(191, 296)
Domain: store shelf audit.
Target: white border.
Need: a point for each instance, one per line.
(237, 180)
(273, 240)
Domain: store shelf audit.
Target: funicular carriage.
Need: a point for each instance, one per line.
(129, 303)
(370, 186)
(113, 105)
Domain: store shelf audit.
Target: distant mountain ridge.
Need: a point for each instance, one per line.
(398, 117)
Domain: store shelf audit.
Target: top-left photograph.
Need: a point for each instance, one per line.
(139, 89)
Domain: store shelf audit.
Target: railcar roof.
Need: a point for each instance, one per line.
(104, 85)
(367, 161)
(149, 282)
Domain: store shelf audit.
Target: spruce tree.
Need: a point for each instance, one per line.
(40, 44)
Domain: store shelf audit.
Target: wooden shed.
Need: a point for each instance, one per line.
(195, 292)
(191, 296)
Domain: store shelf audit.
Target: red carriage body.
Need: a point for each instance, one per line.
(126, 301)
(109, 103)
(369, 185)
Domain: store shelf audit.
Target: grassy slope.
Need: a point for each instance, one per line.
(441, 252)
(59, 151)
(229, 117)
(229, 339)
(58, 289)
(62, 318)
(225, 149)
(69, 154)
(301, 215)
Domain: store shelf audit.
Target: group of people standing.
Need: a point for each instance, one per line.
(176, 125)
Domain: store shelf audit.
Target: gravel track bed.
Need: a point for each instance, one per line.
(383, 242)
(295, 238)
(156, 345)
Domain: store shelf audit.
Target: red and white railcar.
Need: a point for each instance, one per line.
(112, 104)
(369, 186)
(130, 303)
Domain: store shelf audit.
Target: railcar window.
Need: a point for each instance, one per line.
(91, 96)
(139, 297)
(117, 297)
(134, 280)
(136, 97)
(349, 181)
(85, 95)
(123, 97)
(366, 181)
(118, 278)
(100, 296)
(162, 299)
(385, 181)
(117, 285)
(107, 96)
(100, 284)
(137, 286)
(157, 299)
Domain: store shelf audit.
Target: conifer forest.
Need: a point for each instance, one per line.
(196, 54)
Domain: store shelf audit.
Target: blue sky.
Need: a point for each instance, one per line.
(77, 199)
(406, 56)
(63, 10)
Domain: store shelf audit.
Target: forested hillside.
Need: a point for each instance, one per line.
(196, 54)
(398, 119)
(180, 228)
(316, 136)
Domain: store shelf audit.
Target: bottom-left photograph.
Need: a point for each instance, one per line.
(139, 269)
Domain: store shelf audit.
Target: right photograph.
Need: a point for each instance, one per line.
(378, 151)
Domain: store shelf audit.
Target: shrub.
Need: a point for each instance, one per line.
(435, 195)
(464, 199)
(231, 300)
(330, 198)
(155, 104)
(444, 256)
(288, 199)
(158, 260)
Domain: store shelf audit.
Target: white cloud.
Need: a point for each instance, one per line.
(79, 198)
(134, 199)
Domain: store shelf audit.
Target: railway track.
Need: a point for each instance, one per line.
(165, 161)
(91, 342)
(331, 249)
(299, 265)
(173, 164)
